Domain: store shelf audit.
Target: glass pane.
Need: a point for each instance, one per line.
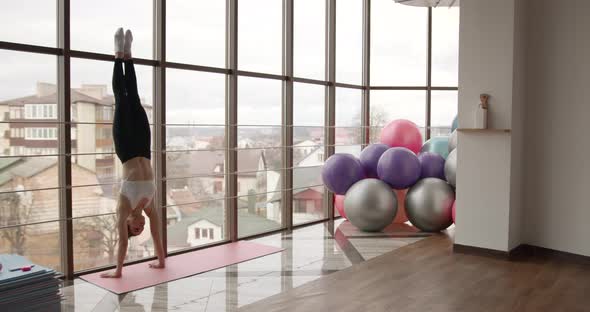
(387, 105)
(251, 160)
(194, 163)
(308, 194)
(259, 108)
(349, 41)
(40, 243)
(94, 199)
(259, 101)
(348, 116)
(93, 25)
(445, 46)
(443, 111)
(92, 90)
(22, 207)
(205, 21)
(309, 38)
(259, 213)
(308, 104)
(196, 224)
(398, 44)
(183, 138)
(30, 22)
(28, 173)
(96, 241)
(28, 93)
(260, 36)
(195, 98)
(194, 191)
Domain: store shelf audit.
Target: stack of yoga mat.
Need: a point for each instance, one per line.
(25, 286)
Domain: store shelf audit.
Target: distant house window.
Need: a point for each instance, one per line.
(197, 233)
(41, 111)
(320, 156)
(239, 187)
(217, 187)
(204, 233)
(211, 234)
(41, 133)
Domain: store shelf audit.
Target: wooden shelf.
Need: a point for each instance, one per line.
(483, 130)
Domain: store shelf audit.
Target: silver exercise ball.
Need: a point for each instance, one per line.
(370, 205)
(429, 205)
(451, 168)
(453, 141)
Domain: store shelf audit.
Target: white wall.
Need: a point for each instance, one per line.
(486, 57)
(483, 190)
(86, 135)
(557, 145)
(519, 104)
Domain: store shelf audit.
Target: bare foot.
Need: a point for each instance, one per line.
(157, 265)
(111, 274)
(119, 43)
(127, 46)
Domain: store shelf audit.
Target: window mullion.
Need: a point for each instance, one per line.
(65, 148)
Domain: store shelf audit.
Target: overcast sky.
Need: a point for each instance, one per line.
(196, 34)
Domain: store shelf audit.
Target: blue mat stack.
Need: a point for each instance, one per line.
(25, 286)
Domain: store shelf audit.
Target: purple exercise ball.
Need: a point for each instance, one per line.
(432, 165)
(399, 167)
(341, 171)
(370, 158)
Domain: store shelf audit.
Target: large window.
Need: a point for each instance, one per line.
(234, 86)
(349, 41)
(398, 44)
(195, 158)
(308, 152)
(259, 155)
(309, 37)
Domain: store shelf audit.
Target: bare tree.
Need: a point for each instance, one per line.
(377, 119)
(101, 236)
(15, 209)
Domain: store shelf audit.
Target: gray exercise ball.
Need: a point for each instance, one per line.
(453, 141)
(370, 205)
(451, 168)
(429, 204)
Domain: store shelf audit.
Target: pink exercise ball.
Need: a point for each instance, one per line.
(401, 216)
(339, 205)
(402, 133)
(453, 210)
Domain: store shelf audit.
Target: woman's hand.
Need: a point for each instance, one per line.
(158, 265)
(111, 274)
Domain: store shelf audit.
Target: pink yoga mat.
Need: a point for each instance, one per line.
(138, 276)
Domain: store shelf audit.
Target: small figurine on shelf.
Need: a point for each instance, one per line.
(481, 113)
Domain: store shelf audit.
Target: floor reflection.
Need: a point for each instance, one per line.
(310, 253)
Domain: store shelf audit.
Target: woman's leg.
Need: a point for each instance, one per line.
(140, 129)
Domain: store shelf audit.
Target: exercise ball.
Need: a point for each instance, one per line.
(370, 158)
(455, 123)
(453, 141)
(399, 167)
(340, 172)
(432, 165)
(400, 216)
(370, 205)
(402, 133)
(439, 145)
(453, 210)
(451, 168)
(428, 205)
(339, 205)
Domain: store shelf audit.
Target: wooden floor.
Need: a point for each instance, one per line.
(428, 276)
